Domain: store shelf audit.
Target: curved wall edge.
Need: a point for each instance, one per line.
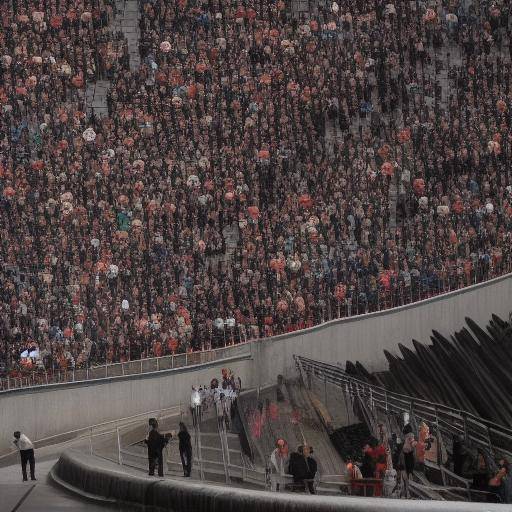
(93, 477)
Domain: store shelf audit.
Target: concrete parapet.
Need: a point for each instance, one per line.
(92, 476)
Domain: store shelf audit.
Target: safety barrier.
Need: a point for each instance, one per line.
(149, 365)
(487, 435)
(84, 474)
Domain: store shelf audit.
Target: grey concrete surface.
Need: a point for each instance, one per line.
(43, 495)
(127, 22)
(55, 409)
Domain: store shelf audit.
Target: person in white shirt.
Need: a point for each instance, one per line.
(280, 460)
(26, 448)
(195, 406)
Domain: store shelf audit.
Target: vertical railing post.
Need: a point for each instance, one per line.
(119, 457)
(491, 450)
(157, 364)
(141, 366)
(90, 440)
(465, 424)
(439, 452)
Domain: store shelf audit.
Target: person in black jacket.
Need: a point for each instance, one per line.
(185, 449)
(156, 442)
(303, 468)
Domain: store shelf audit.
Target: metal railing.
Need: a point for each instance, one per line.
(491, 437)
(88, 434)
(380, 299)
(153, 364)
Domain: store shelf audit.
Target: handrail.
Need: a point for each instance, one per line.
(41, 378)
(449, 419)
(87, 431)
(221, 427)
(135, 367)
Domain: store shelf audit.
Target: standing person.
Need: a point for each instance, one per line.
(303, 469)
(26, 448)
(156, 442)
(406, 460)
(185, 449)
(312, 468)
(195, 406)
(280, 460)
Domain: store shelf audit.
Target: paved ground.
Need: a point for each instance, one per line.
(42, 495)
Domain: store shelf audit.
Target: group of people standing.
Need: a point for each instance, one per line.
(156, 442)
(299, 465)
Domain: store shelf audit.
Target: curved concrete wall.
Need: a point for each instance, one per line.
(93, 477)
(51, 410)
(364, 338)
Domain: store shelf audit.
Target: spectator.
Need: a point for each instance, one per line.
(156, 442)
(214, 204)
(303, 468)
(185, 446)
(26, 449)
(280, 461)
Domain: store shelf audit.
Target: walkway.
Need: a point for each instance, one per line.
(127, 22)
(43, 495)
(96, 97)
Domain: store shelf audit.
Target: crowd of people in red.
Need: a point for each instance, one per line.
(243, 182)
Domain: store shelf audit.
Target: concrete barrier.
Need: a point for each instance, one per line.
(55, 409)
(364, 338)
(94, 477)
(52, 410)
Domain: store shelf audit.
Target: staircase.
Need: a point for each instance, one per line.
(378, 405)
(393, 197)
(96, 97)
(127, 22)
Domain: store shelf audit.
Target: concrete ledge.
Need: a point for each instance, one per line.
(92, 477)
(117, 378)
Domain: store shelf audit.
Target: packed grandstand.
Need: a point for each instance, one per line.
(260, 172)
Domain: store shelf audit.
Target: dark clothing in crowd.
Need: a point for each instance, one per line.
(185, 446)
(303, 469)
(156, 443)
(28, 456)
(368, 466)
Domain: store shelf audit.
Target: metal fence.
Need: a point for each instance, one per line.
(361, 297)
(153, 364)
(491, 437)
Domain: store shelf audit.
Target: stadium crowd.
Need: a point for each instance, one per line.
(243, 183)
